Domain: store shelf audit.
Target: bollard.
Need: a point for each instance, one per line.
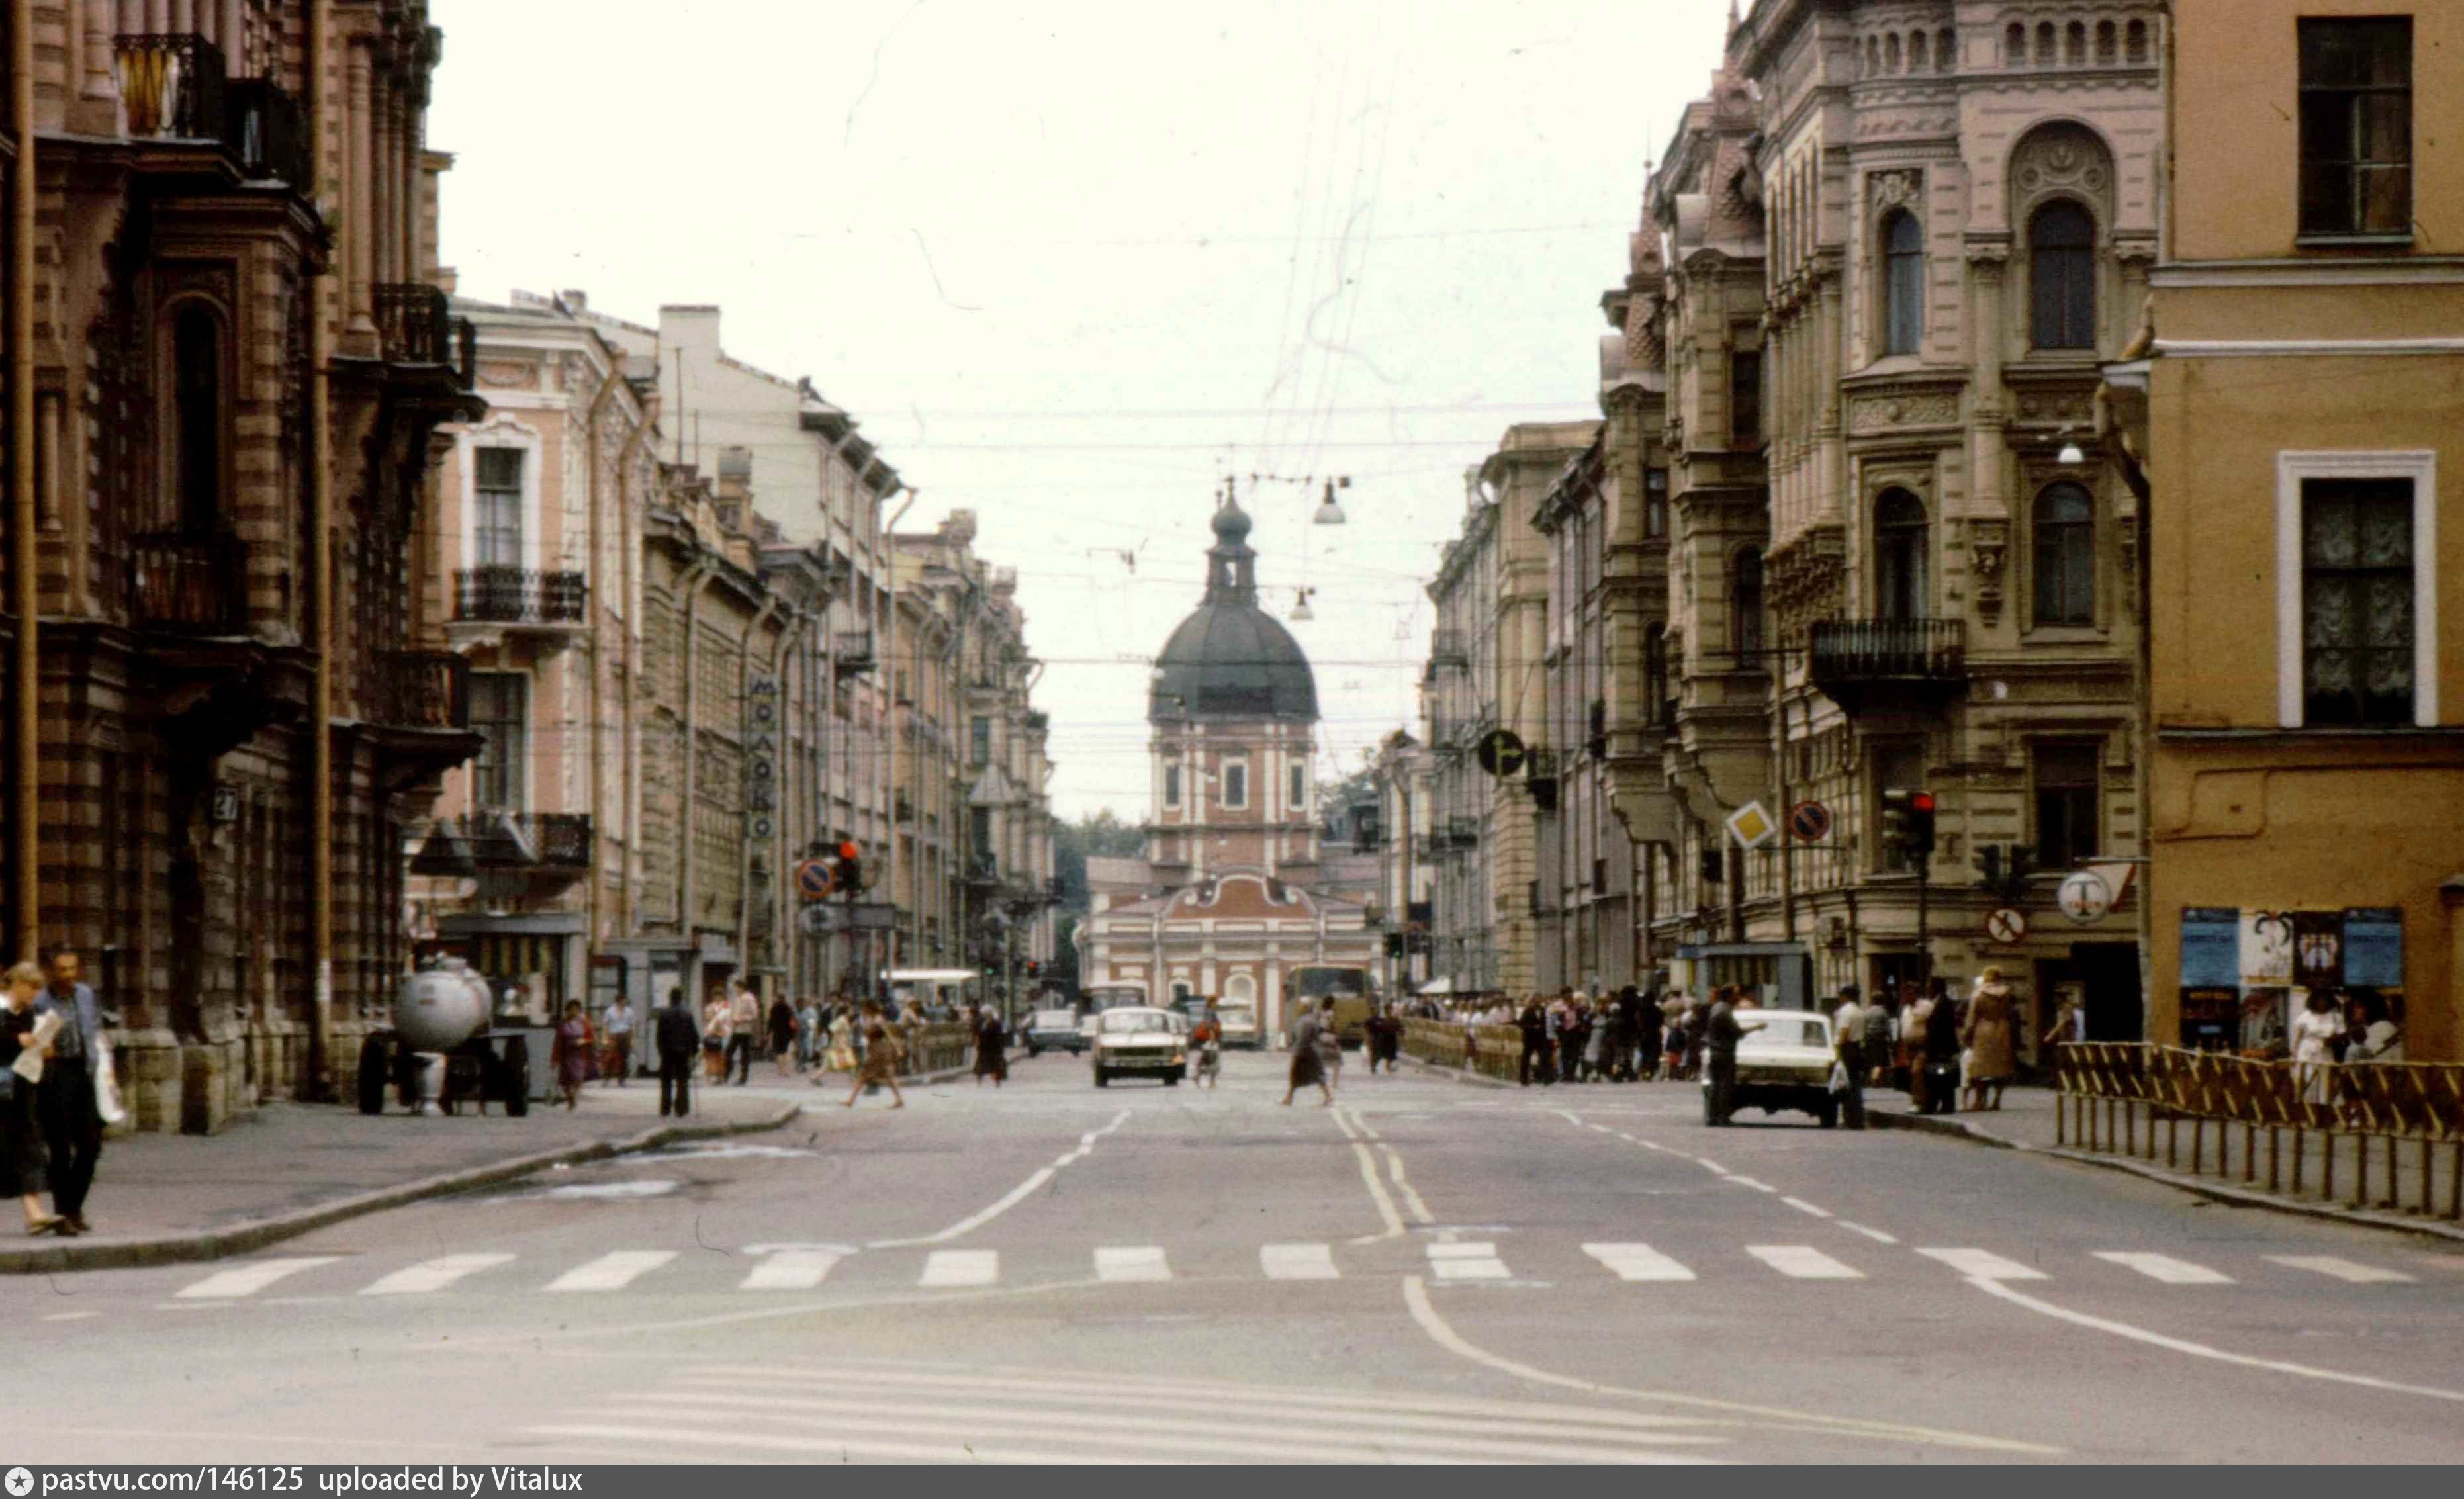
(2429, 1203)
(2250, 1152)
(2326, 1165)
(2275, 1148)
(2395, 1194)
(2361, 1172)
(2297, 1161)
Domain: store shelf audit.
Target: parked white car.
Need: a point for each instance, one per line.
(1786, 1065)
(1140, 1041)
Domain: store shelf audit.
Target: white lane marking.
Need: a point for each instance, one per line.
(1806, 1207)
(1415, 1299)
(1875, 1234)
(960, 1268)
(956, 1449)
(2140, 1335)
(1015, 1196)
(791, 1270)
(1474, 1261)
(1410, 1197)
(2164, 1267)
(1748, 1182)
(69, 1316)
(1378, 1194)
(433, 1274)
(1983, 1265)
(1802, 1262)
(1709, 1165)
(1638, 1261)
(247, 1280)
(612, 1272)
(1133, 1262)
(1298, 1262)
(2342, 1269)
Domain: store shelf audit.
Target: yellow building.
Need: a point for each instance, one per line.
(2291, 421)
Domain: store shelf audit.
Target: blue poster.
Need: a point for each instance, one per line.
(2211, 947)
(2373, 947)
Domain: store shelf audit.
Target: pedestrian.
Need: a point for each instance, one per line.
(1938, 1073)
(65, 1098)
(570, 1053)
(616, 1029)
(1848, 1041)
(842, 1039)
(1533, 1023)
(1916, 1014)
(808, 1020)
(1309, 1063)
(717, 1019)
(783, 1034)
(2316, 1033)
(1722, 1031)
(992, 1049)
(1881, 1038)
(743, 1033)
(882, 1050)
(677, 1039)
(2375, 1036)
(1206, 1042)
(22, 1171)
(1330, 1046)
(1987, 1042)
(1648, 1041)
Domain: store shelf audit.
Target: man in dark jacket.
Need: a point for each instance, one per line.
(1722, 1031)
(64, 1101)
(679, 1041)
(1533, 1023)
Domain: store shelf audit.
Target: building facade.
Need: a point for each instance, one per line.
(1459, 707)
(2288, 424)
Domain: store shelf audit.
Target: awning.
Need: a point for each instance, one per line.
(1446, 986)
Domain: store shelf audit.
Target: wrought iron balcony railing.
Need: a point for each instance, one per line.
(415, 325)
(171, 85)
(520, 596)
(1446, 648)
(502, 840)
(268, 133)
(854, 654)
(422, 690)
(1856, 652)
(188, 584)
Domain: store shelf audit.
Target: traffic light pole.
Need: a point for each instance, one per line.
(1924, 946)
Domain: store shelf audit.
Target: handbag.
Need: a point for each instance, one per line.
(1839, 1077)
(107, 1102)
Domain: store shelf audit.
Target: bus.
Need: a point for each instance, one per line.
(1348, 993)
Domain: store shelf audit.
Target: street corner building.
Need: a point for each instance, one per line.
(230, 350)
(1236, 891)
(2292, 415)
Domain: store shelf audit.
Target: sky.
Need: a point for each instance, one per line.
(1072, 265)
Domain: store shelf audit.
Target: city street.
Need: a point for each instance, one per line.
(1428, 1272)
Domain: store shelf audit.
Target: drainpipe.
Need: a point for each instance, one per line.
(598, 759)
(321, 571)
(744, 863)
(694, 581)
(24, 557)
(631, 544)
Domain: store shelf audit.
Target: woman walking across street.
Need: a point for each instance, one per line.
(782, 1033)
(1987, 1041)
(992, 1049)
(1207, 1041)
(882, 1050)
(571, 1051)
(1308, 1067)
(21, 1137)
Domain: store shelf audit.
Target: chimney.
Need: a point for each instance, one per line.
(577, 301)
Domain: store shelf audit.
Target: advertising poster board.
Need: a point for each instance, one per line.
(2244, 972)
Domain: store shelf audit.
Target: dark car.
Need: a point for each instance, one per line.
(1054, 1030)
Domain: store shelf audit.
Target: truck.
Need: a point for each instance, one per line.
(1348, 994)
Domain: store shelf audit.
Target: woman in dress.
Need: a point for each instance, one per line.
(21, 1138)
(992, 1049)
(572, 1053)
(717, 1025)
(1986, 1036)
(1309, 1066)
(882, 1050)
(2314, 1033)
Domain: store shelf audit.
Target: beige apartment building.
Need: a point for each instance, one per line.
(1457, 709)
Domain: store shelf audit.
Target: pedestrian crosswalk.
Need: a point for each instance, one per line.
(1443, 1260)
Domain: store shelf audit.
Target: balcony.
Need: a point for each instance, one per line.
(1446, 648)
(489, 603)
(853, 656)
(1865, 664)
(422, 690)
(171, 86)
(1459, 832)
(983, 873)
(268, 133)
(533, 842)
(185, 583)
(416, 327)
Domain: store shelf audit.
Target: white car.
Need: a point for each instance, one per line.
(1240, 1023)
(1786, 1065)
(1140, 1041)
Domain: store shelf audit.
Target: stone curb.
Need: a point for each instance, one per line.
(2218, 1191)
(243, 1238)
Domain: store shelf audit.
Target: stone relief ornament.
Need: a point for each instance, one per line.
(1878, 414)
(2061, 158)
(1988, 540)
(1891, 190)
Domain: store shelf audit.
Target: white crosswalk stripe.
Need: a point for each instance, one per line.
(960, 1268)
(1802, 1262)
(792, 1269)
(1468, 1261)
(612, 1272)
(2342, 1269)
(247, 1280)
(433, 1274)
(2166, 1268)
(1298, 1262)
(1138, 1263)
(1983, 1265)
(1638, 1261)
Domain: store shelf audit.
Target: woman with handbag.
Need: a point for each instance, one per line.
(21, 1135)
(1986, 1040)
(882, 1050)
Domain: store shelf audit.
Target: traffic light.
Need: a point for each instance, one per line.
(1907, 822)
(1034, 968)
(1895, 819)
(1393, 945)
(1921, 822)
(847, 873)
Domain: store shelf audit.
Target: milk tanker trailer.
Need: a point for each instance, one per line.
(441, 1050)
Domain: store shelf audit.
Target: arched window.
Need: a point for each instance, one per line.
(197, 406)
(2046, 56)
(2076, 52)
(1917, 44)
(2104, 44)
(1746, 608)
(2061, 275)
(1873, 57)
(2014, 46)
(1899, 553)
(1903, 283)
(1944, 52)
(2063, 556)
(1891, 53)
(2136, 43)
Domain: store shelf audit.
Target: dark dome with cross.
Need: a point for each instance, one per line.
(1230, 660)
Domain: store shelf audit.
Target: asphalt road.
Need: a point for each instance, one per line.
(1427, 1271)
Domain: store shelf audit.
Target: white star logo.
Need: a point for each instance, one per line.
(21, 1483)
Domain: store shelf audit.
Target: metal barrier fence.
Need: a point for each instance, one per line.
(936, 1048)
(2349, 1112)
(1491, 1051)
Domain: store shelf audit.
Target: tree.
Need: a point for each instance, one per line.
(1101, 835)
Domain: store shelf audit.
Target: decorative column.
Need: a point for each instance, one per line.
(1987, 414)
(358, 217)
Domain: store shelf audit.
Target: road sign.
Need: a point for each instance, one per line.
(819, 920)
(813, 879)
(1751, 827)
(1501, 753)
(1809, 821)
(2084, 897)
(870, 916)
(2003, 924)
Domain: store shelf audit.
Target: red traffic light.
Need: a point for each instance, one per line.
(848, 850)
(1921, 801)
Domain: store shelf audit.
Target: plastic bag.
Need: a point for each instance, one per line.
(107, 1103)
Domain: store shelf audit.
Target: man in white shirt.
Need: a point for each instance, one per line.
(617, 1025)
(744, 1025)
(1848, 1040)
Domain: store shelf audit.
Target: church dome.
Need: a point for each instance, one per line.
(1231, 659)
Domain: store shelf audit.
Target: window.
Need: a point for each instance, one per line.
(2014, 46)
(979, 741)
(2066, 803)
(2063, 556)
(1895, 763)
(197, 395)
(1300, 789)
(1746, 608)
(979, 835)
(1745, 398)
(501, 713)
(1900, 551)
(497, 523)
(1654, 674)
(1654, 502)
(2357, 126)
(1171, 785)
(2135, 45)
(2358, 665)
(1235, 785)
(2061, 275)
(1903, 283)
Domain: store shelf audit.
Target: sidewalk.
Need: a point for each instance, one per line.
(286, 1169)
(2026, 1121)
